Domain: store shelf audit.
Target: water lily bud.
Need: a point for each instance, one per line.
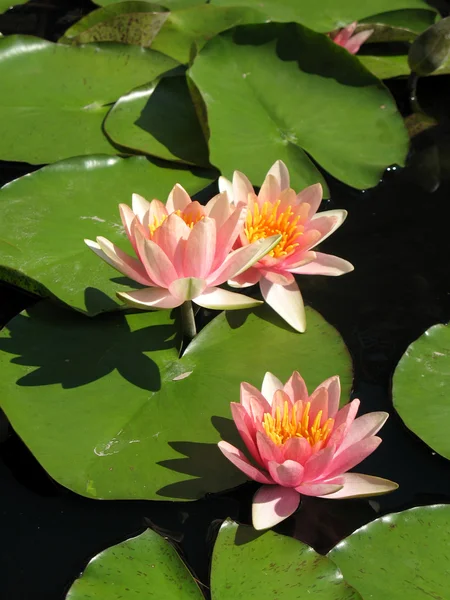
(431, 49)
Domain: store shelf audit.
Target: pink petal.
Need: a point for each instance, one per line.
(295, 387)
(270, 385)
(228, 234)
(328, 221)
(272, 504)
(319, 402)
(187, 288)
(298, 449)
(219, 209)
(149, 298)
(281, 174)
(178, 199)
(318, 489)
(155, 262)
(288, 474)
(325, 264)
(225, 186)
(246, 429)
(267, 449)
(246, 279)
(333, 387)
(298, 259)
(286, 301)
(248, 392)
(270, 190)
(279, 278)
(120, 260)
(344, 34)
(311, 195)
(363, 427)
(352, 456)
(241, 188)
(168, 237)
(240, 461)
(279, 399)
(218, 299)
(200, 249)
(347, 414)
(357, 40)
(356, 485)
(318, 464)
(127, 216)
(154, 216)
(140, 206)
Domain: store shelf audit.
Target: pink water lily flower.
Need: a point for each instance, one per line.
(184, 251)
(302, 444)
(349, 40)
(277, 209)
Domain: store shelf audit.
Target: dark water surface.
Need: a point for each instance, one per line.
(397, 237)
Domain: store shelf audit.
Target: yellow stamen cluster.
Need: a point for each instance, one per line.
(267, 222)
(189, 219)
(285, 426)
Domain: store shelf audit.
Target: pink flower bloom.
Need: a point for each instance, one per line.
(302, 444)
(279, 210)
(346, 38)
(184, 251)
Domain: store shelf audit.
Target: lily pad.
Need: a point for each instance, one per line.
(145, 566)
(45, 216)
(296, 95)
(55, 97)
(159, 119)
(245, 565)
(421, 388)
(179, 34)
(7, 4)
(388, 66)
(110, 411)
(398, 25)
(399, 556)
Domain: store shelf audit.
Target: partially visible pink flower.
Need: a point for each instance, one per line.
(349, 40)
(184, 251)
(277, 209)
(302, 444)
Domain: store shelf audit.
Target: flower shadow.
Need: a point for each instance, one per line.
(206, 463)
(62, 346)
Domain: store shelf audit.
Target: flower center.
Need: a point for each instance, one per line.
(268, 221)
(190, 217)
(283, 427)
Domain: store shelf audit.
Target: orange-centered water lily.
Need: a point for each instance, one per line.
(183, 251)
(278, 210)
(302, 444)
(349, 40)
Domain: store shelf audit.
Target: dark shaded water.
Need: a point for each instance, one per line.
(396, 236)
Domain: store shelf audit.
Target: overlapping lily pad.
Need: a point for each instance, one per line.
(54, 97)
(399, 556)
(421, 388)
(296, 95)
(110, 411)
(45, 216)
(245, 564)
(159, 119)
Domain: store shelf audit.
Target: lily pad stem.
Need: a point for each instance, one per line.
(188, 320)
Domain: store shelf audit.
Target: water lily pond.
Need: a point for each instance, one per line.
(224, 299)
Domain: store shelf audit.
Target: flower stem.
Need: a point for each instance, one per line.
(188, 320)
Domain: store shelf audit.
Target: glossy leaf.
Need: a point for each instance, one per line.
(179, 34)
(420, 388)
(400, 556)
(249, 565)
(54, 97)
(283, 99)
(159, 119)
(110, 411)
(146, 566)
(45, 216)
(386, 67)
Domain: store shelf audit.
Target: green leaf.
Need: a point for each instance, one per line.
(386, 67)
(398, 25)
(249, 565)
(54, 97)
(298, 92)
(179, 34)
(170, 4)
(146, 566)
(159, 119)
(46, 215)
(420, 388)
(110, 411)
(400, 556)
(7, 4)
